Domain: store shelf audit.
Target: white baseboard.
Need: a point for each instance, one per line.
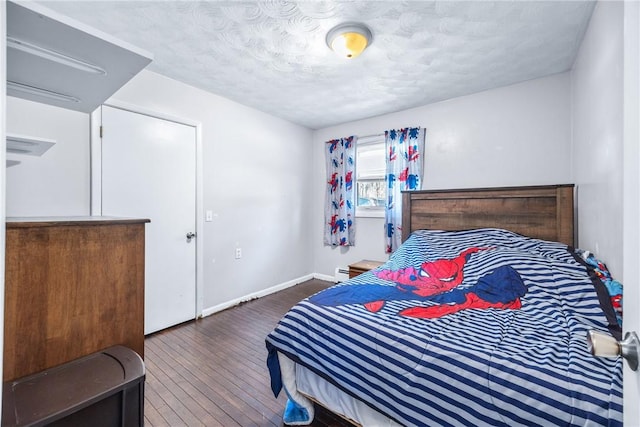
(326, 277)
(216, 308)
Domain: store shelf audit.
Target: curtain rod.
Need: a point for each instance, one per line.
(374, 135)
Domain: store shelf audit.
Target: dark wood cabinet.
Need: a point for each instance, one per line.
(73, 286)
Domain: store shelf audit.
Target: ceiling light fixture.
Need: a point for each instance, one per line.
(349, 39)
(32, 90)
(54, 56)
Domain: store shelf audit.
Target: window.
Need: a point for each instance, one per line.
(371, 191)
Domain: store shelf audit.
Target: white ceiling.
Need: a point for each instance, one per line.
(272, 55)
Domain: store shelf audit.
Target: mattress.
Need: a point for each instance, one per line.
(328, 395)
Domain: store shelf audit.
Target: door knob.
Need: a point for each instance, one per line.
(604, 345)
(190, 235)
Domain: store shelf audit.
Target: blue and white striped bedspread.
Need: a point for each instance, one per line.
(497, 339)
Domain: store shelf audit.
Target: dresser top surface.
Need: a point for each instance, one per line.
(53, 221)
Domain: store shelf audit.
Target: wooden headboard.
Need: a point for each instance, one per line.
(542, 212)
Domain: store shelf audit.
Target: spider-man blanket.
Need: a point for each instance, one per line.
(502, 288)
(483, 327)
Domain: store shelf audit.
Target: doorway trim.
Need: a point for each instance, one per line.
(96, 178)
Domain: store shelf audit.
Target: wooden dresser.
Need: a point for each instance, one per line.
(73, 286)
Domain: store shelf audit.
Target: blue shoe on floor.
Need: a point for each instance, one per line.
(295, 415)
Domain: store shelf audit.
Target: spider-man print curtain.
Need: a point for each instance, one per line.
(405, 148)
(339, 211)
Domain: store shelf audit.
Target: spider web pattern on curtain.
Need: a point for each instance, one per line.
(339, 211)
(405, 149)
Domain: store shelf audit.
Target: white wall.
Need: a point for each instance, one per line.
(57, 183)
(515, 135)
(597, 105)
(256, 181)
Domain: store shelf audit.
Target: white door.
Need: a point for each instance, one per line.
(631, 201)
(149, 171)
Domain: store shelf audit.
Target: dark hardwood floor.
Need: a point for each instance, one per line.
(212, 371)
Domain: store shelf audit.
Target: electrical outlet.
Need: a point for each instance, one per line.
(238, 253)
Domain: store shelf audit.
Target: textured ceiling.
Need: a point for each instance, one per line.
(272, 55)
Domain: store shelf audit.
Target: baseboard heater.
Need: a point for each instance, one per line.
(341, 274)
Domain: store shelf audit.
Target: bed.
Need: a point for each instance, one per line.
(479, 318)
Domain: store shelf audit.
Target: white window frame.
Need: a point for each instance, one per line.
(369, 211)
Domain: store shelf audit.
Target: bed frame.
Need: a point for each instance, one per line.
(542, 212)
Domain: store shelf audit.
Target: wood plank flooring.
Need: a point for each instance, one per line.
(212, 371)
